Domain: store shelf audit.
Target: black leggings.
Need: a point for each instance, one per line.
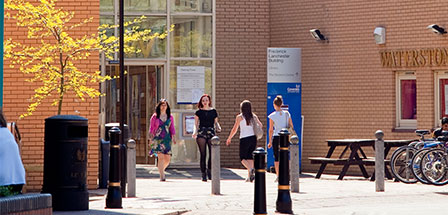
(202, 144)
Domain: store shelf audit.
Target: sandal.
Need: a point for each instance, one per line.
(252, 175)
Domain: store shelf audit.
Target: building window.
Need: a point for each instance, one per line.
(441, 87)
(406, 100)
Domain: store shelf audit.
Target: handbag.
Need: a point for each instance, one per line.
(291, 131)
(258, 131)
(217, 127)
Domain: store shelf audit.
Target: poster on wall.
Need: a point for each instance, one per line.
(187, 125)
(190, 84)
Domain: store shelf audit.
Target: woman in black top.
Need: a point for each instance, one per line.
(205, 119)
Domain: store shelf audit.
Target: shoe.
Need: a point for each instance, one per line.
(247, 180)
(163, 178)
(209, 174)
(276, 179)
(252, 175)
(204, 177)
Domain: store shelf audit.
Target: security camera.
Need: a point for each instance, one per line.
(436, 29)
(317, 35)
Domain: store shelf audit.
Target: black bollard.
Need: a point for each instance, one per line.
(113, 199)
(284, 203)
(104, 164)
(260, 181)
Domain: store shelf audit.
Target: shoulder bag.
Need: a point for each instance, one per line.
(291, 130)
(258, 131)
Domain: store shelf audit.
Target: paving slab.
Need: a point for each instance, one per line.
(185, 193)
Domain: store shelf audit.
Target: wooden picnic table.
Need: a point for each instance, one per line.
(356, 156)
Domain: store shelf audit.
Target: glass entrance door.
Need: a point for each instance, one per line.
(142, 92)
(145, 84)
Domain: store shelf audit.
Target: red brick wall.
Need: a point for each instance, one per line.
(17, 92)
(346, 91)
(242, 36)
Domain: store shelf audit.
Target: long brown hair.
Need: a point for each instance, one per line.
(246, 110)
(200, 105)
(168, 109)
(2, 119)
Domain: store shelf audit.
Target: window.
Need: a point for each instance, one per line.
(153, 48)
(406, 100)
(201, 6)
(192, 37)
(441, 94)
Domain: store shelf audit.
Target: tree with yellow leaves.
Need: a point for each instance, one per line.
(52, 61)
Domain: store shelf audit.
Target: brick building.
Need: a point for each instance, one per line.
(17, 93)
(351, 85)
(349, 90)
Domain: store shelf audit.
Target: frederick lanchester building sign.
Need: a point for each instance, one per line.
(414, 57)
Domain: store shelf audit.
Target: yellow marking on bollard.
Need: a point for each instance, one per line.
(283, 187)
(260, 170)
(115, 146)
(114, 184)
(284, 148)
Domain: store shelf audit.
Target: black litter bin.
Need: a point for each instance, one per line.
(65, 162)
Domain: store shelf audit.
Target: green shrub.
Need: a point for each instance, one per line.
(7, 191)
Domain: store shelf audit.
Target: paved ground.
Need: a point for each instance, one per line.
(184, 193)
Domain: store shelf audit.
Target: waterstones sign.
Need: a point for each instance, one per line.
(415, 58)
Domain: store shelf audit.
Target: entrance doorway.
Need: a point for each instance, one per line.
(143, 91)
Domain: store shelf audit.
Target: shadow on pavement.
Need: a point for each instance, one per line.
(90, 212)
(152, 172)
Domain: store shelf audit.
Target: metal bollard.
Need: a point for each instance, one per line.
(284, 202)
(216, 166)
(122, 168)
(379, 161)
(260, 181)
(294, 163)
(131, 172)
(104, 164)
(113, 198)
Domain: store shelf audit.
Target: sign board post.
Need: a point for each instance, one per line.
(284, 78)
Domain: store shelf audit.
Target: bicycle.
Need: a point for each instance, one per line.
(434, 164)
(401, 159)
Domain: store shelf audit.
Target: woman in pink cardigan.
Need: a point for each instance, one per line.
(161, 134)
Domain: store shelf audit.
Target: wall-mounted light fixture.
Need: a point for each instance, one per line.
(317, 35)
(437, 29)
(380, 35)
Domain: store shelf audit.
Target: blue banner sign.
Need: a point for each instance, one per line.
(284, 78)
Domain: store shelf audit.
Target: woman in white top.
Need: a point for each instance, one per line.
(12, 172)
(248, 140)
(277, 120)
